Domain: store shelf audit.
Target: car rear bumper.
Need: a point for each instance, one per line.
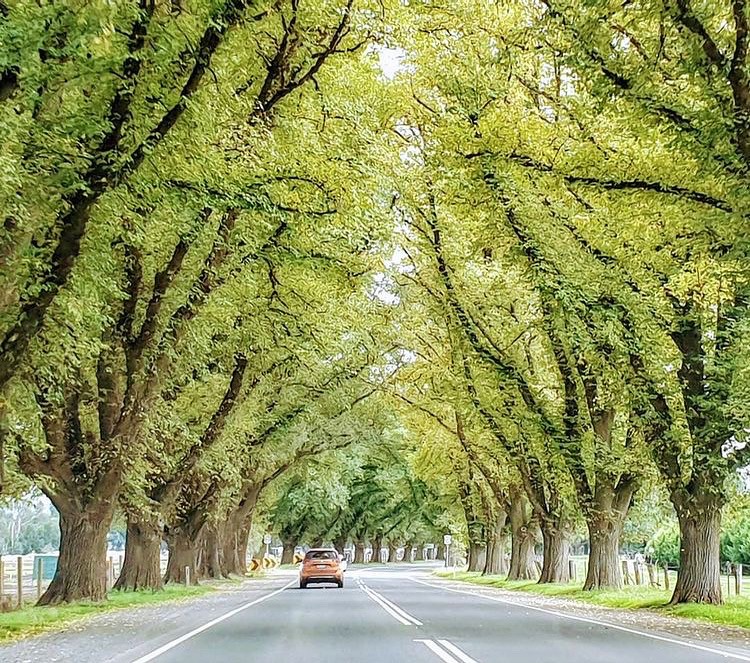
(321, 577)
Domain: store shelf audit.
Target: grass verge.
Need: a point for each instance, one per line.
(735, 612)
(33, 620)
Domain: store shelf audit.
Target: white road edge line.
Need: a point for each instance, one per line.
(460, 655)
(432, 645)
(172, 644)
(392, 613)
(589, 620)
(396, 608)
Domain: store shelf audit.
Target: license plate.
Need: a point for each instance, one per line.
(321, 566)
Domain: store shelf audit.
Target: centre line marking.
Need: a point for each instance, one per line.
(447, 656)
(461, 656)
(391, 608)
(172, 644)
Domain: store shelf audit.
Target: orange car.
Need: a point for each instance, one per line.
(321, 565)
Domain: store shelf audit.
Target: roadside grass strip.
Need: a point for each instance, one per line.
(391, 608)
(35, 620)
(590, 620)
(734, 612)
(447, 651)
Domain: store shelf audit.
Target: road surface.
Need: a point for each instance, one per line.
(386, 615)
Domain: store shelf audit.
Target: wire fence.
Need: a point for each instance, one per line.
(23, 578)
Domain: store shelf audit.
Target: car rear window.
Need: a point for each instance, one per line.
(322, 554)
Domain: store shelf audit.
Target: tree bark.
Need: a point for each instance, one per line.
(359, 553)
(556, 552)
(287, 555)
(392, 553)
(522, 559)
(603, 569)
(477, 556)
(497, 543)
(699, 576)
(377, 547)
(140, 568)
(82, 565)
(212, 566)
(419, 553)
(183, 552)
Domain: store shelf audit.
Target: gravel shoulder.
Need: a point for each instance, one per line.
(124, 635)
(730, 638)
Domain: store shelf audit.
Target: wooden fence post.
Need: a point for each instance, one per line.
(187, 576)
(38, 564)
(2, 578)
(572, 569)
(666, 577)
(729, 578)
(738, 579)
(653, 581)
(625, 572)
(637, 572)
(110, 572)
(19, 580)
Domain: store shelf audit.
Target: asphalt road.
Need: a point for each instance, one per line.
(396, 614)
(383, 615)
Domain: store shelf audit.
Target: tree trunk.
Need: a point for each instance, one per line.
(604, 569)
(605, 520)
(359, 553)
(497, 543)
(140, 568)
(522, 560)
(377, 547)
(234, 546)
(183, 552)
(419, 553)
(82, 565)
(392, 553)
(287, 555)
(440, 552)
(211, 557)
(699, 577)
(556, 552)
(477, 556)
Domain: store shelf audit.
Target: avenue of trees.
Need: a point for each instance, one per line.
(372, 270)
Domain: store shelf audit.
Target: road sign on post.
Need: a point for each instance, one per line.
(447, 540)
(267, 541)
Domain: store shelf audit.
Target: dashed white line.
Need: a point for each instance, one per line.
(452, 655)
(589, 620)
(171, 645)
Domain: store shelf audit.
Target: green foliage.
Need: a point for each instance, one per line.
(664, 546)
